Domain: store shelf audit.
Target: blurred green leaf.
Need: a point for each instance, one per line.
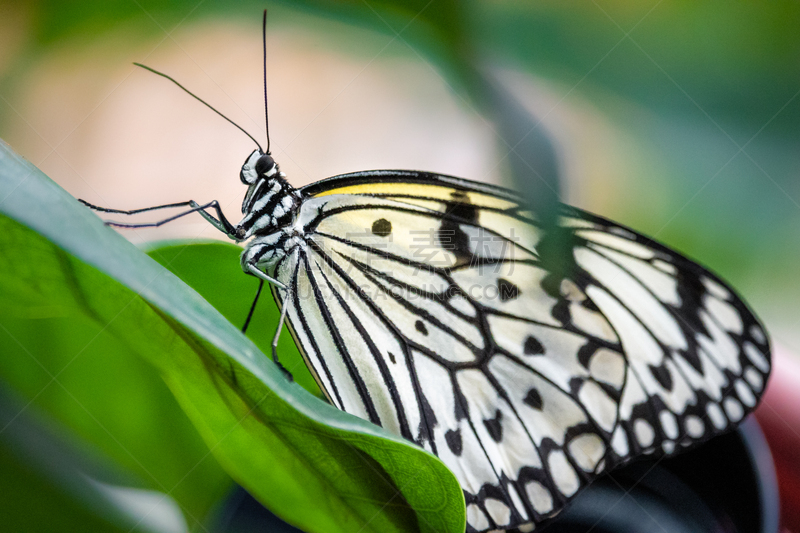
(51, 482)
(314, 465)
(58, 353)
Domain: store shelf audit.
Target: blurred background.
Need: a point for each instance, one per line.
(679, 119)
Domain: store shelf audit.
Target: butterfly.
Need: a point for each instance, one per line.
(424, 303)
(530, 356)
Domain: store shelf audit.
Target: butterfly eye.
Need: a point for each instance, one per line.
(264, 165)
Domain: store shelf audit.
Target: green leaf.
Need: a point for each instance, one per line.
(313, 465)
(50, 482)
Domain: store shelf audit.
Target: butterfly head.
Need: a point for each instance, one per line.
(258, 166)
(260, 173)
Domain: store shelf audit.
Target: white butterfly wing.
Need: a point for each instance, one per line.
(426, 305)
(696, 351)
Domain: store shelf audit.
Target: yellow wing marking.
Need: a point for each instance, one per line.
(422, 191)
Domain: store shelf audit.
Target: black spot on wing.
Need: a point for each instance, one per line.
(382, 227)
(534, 399)
(662, 375)
(451, 235)
(506, 290)
(461, 207)
(454, 441)
(560, 312)
(420, 325)
(532, 346)
(494, 426)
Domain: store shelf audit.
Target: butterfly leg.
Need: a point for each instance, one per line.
(253, 270)
(287, 301)
(288, 298)
(221, 223)
(253, 306)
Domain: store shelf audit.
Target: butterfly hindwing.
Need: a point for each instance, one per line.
(430, 305)
(702, 355)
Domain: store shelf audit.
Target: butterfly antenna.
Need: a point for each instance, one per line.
(266, 107)
(154, 71)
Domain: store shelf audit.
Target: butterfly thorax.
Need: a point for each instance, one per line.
(271, 203)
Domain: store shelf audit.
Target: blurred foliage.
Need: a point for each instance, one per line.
(738, 62)
(69, 365)
(691, 83)
(706, 93)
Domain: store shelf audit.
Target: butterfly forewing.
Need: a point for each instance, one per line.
(434, 307)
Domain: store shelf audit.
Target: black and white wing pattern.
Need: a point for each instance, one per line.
(429, 305)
